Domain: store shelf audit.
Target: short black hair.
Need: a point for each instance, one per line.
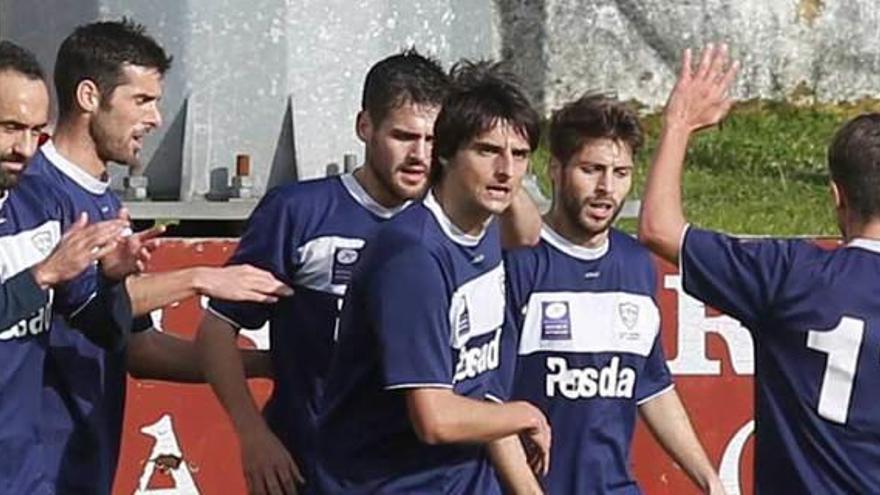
(593, 116)
(98, 51)
(854, 163)
(483, 94)
(406, 77)
(18, 59)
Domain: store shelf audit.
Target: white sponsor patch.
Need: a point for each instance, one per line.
(327, 263)
(477, 307)
(589, 322)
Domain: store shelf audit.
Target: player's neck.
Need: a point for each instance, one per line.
(571, 231)
(375, 188)
(74, 143)
(865, 230)
(460, 211)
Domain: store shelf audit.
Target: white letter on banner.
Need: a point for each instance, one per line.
(728, 471)
(166, 447)
(693, 325)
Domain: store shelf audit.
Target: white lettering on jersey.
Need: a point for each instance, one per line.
(34, 325)
(610, 381)
(166, 456)
(476, 360)
(477, 309)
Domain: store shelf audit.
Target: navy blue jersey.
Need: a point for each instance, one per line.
(589, 353)
(84, 385)
(425, 310)
(309, 235)
(814, 315)
(27, 235)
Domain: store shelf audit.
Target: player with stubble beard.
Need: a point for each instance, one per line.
(109, 77)
(583, 306)
(311, 235)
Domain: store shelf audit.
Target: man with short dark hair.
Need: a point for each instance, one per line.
(409, 405)
(311, 234)
(583, 306)
(814, 313)
(109, 80)
(35, 259)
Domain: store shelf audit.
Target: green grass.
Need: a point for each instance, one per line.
(763, 174)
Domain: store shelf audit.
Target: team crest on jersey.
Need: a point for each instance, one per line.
(344, 261)
(629, 314)
(43, 242)
(555, 320)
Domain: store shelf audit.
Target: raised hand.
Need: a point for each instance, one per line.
(701, 98)
(79, 247)
(241, 283)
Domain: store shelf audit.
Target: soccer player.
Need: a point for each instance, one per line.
(813, 313)
(108, 76)
(311, 235)
(34, 258)
(409, 405)
(582, 302)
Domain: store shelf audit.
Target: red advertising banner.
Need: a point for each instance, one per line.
(178, 440)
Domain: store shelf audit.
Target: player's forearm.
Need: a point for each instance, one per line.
(521, 222)
(662, 219)
(668, 421)
(154, 355)
(440, 416)
(157, 290)
(512, 467)
(223, 368)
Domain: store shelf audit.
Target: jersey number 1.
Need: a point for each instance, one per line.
(842, 344)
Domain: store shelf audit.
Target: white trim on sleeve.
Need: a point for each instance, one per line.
(653, 396)
(400, 386)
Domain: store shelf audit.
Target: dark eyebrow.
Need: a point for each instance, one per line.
(486, 146)
(406, 134)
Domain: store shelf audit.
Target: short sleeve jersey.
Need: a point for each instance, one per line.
(425, 310)
(814, 315)
(588, 352)
(84, 385)
(28, 233)
(310, 235)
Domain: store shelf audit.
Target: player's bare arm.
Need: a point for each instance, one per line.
(668, 421)
(699, 99)
(268, 466)
(441, 416)
(155, 355)
(521, 222)
(509, 460)
(234, 283)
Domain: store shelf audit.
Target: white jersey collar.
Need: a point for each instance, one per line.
(73, 171)
(580, 252)
(454, 233)
(3, 197)
(867, 244)
(363, 198)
